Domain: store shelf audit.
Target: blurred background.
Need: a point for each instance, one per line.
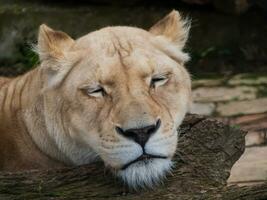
(228, 47)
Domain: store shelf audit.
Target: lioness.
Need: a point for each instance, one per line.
(117, 94)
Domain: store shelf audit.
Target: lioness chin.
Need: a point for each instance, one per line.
(117, 95)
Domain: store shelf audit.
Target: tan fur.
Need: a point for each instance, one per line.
(47, 118)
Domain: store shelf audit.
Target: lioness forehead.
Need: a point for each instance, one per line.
(115, 51)
(113, 38)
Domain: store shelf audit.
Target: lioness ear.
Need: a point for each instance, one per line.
(172, 27)
(53, 46)
(51, 43)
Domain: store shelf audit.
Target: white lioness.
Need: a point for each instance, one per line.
(117, 94)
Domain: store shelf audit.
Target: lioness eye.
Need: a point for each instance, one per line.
(96, 92)
(158, 80)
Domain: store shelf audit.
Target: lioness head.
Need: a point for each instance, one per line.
(117, 94)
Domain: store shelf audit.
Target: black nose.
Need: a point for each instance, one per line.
(139, 135)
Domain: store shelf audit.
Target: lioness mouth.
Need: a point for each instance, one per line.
(144, 157)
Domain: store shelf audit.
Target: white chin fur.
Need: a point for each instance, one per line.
(145, 174)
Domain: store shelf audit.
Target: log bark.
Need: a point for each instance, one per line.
(207, 149)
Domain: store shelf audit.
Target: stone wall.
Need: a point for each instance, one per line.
(240, 100)
(231, 96)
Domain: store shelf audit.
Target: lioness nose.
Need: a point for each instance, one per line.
(139, 135)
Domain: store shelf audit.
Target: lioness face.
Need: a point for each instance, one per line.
(124, 91)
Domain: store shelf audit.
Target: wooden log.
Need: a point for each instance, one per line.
(207, 149)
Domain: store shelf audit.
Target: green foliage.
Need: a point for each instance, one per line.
(29, 58)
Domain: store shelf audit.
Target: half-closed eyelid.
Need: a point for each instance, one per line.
(91, 90)
(99, 89)
(89, 87)
(162, 76)
(159, 79)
